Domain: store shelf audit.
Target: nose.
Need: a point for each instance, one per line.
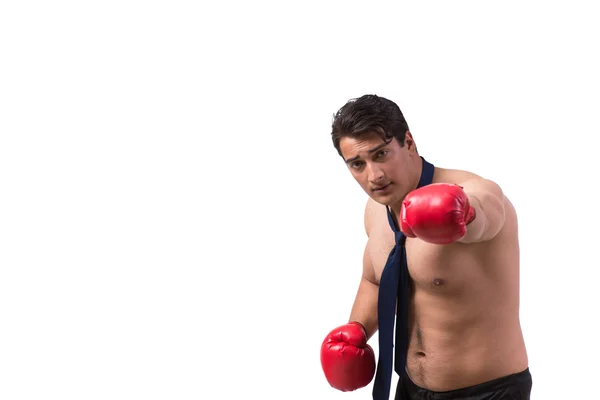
(375, 173)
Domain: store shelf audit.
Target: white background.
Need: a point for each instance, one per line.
(174, 220)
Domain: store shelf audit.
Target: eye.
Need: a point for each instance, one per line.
(381, 153)
(356, 164)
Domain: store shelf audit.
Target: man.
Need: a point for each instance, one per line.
(458, 333)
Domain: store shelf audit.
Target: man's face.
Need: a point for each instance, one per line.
(385, 171)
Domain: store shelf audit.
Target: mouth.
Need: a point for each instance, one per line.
(381, 188)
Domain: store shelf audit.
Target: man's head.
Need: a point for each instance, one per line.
(372, 136)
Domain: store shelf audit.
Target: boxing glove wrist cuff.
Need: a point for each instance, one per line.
(472, 215)
(362, 326)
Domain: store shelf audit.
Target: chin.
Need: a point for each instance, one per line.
(385, 200)
(391, 200)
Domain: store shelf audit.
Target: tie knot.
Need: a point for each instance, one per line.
(400, 238)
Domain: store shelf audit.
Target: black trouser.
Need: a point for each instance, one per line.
(511, 387)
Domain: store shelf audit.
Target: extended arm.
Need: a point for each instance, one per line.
(444, 213)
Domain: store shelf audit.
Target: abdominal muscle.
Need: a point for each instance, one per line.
(451, 347)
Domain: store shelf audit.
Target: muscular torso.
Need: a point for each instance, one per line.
(464, 324)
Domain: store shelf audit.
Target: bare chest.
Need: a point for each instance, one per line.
(431, 267)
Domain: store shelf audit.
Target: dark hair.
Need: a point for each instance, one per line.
(369, 114)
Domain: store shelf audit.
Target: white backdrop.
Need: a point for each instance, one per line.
(174, 220)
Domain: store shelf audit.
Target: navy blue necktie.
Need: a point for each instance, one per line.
(394, 286)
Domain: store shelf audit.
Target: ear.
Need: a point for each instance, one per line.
(409, 142)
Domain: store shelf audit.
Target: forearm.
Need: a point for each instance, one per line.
(488, 202)
(364, 309)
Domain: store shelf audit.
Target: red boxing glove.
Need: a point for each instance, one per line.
(438, 213)
(347, 360)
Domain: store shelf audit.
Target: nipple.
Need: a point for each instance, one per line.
(438, 282)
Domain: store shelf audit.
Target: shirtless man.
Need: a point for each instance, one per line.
(464, 333)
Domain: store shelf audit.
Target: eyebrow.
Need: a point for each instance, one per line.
(373, 150)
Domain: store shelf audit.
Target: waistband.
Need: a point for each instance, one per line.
(521, 379)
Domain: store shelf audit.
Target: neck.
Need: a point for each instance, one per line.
(397, 206)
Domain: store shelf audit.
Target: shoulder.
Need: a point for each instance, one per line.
(456, 176)
(374, 214)
(470, 181)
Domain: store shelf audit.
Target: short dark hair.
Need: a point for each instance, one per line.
(369, 114)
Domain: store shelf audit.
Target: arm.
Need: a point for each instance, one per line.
(347, 360)
(364, 309)
(486, 197)
(444, 213)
